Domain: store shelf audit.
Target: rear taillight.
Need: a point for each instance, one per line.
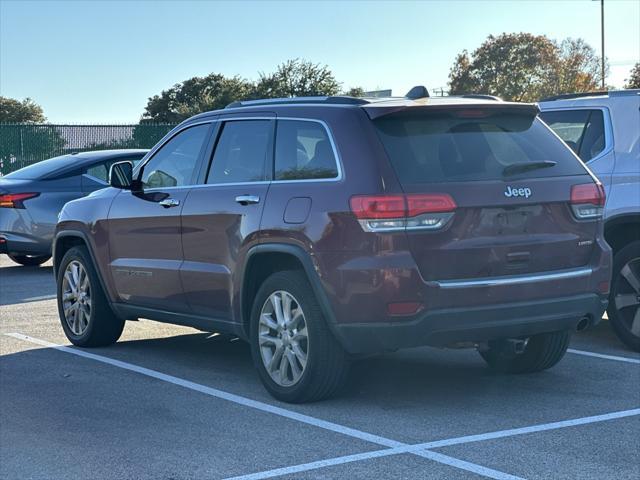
(15, 200)
(587, 201)
(390, 213)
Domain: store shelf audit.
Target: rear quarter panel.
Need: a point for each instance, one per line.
(624, 195)
(350, 263)
(44, 209)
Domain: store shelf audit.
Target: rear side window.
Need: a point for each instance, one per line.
(303, 151)
(442, 147)
(241, 153)
(582, 130)
(100, 171)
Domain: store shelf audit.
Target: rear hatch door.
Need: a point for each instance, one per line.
(512, 181)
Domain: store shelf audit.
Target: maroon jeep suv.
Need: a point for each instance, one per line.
(324, 228)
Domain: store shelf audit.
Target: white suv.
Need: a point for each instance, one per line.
(603, 129)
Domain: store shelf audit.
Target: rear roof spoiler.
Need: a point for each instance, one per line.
(377, 110)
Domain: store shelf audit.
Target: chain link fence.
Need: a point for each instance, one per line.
(22, 144)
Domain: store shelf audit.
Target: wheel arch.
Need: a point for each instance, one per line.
(263, 260)
(621, 230)
(66, 240)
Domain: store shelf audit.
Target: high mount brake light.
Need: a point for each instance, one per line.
(390, 213)
(587, 201)
(471, 113)
(15, 200)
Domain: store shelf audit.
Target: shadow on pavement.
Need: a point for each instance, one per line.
(20, 284)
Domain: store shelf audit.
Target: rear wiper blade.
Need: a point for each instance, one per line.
(527, 166)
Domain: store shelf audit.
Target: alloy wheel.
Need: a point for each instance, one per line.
(76, 297)
(283, 338)
(627, 296)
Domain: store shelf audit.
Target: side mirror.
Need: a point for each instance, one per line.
(121, 175)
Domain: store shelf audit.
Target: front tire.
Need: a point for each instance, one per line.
(29, 260)
(624, 300)
(85, 314)
(542, 352)
(296, 356)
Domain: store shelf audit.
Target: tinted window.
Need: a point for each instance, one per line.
(241, 152)
(303, 151)
(582, 130)
(100, 171)
(45, 167)
(174, 164)
(441, 147)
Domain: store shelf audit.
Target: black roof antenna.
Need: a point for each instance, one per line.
(417, 92)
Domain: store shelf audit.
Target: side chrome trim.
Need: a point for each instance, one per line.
(512, 280)
(221, 118)
(327, 129)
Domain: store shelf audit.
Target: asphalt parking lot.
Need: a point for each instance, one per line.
(168, 402)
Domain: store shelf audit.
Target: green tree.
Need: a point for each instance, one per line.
(634, 77)
(578, 68)
(196, 95)
(354, 92)
(525, 67)
(16, 111)
(297, 78)
(293, 78)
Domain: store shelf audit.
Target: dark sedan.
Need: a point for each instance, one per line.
(32, 197)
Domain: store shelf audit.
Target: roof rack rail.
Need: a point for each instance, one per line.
(569, 96)
(481, 96)
(327, 100)
(611, 93)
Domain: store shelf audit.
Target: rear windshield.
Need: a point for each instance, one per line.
(443, 147)
(38, 170)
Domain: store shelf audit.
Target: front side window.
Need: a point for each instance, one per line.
(241, 153)
(175, 163)
(582, 130)
(303, 151)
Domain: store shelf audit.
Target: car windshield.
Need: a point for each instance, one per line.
(448, 147)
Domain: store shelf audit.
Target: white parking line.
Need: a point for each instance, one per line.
(463, 465)
(265, 407)
(305, 467)
(247, 402)
(37, 299)
(606, 357)
(531, 429)
(438, 444)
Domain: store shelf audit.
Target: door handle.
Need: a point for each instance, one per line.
(247, 199)
(169, 202)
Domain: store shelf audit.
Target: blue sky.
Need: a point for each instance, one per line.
(99, 61)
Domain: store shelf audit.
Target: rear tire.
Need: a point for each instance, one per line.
(89, 320)
(324, 366)
(29, 260)
(542, 352)
(626, 295)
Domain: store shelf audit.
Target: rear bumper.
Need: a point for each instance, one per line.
(478, 324)
(24, 244)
